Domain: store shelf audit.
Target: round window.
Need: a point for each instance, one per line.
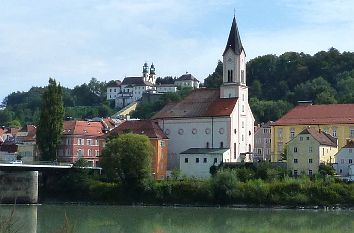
(194, 131)
(167, 131)
(180, 131)
(207, 131)
(221, 131)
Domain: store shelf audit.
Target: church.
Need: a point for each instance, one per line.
(211, 126)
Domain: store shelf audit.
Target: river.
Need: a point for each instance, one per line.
(120, 219)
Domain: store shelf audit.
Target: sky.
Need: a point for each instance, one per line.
(73, 41)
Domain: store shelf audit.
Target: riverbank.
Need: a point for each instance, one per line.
(221, 190)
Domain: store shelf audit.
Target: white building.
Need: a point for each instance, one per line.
(165, 88)
(196, 162)
(113, 88)
(344, 159)
(213, 118)
(187, 80)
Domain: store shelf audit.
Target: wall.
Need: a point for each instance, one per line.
(342, 160)
(21, 187)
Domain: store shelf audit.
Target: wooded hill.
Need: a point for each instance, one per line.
(276, 84)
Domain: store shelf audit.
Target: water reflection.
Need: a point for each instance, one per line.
(109, 219)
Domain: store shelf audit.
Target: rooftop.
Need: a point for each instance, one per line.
(318, 115)
(199, 103)
(145, 127)
(205, 151)
(322, 137)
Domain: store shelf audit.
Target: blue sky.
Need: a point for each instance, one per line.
(73, 41)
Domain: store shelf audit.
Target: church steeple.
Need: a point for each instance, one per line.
(234, 66)
(234, 41)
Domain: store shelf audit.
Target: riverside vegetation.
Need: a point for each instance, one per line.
(126, 179)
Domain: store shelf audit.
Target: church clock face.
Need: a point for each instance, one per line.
(229, 60)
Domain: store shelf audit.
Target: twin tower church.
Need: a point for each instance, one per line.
(211, 126)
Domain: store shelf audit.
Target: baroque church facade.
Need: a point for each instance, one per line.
(210, 119)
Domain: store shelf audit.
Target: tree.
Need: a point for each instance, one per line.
(50, 125)
(127, 159)
(215, 79)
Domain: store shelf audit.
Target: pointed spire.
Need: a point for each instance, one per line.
(234, 41)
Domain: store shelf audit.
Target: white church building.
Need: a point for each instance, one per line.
(208, 119)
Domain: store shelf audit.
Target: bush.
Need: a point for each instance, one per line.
(224, 186)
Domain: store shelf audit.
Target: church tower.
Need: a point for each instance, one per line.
(152, 77)
(146, 72)
(234, 67)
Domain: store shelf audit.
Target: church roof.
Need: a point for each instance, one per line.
(205, 151)
(234, 41)
(136, 81)
(199, 103)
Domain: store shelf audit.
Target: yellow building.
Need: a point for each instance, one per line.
(308, 150)
(335, 119)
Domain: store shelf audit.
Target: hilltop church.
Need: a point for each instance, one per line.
(211, 126)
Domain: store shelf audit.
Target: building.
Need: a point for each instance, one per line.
(262, 141)
(187, 80)
(26, 143)
(113, 88)
(81, 140)
(166, 88)
(310, 148)
(213, 118)
(157, 138)
(196, 162)
(344, 160)
(335, 119)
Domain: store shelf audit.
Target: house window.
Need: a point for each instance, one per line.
(342, 161)
(334, 132)
(205, 160)
(89, 152)
(79, 153)
(295, 149)
(301, 138)
(243, 124)
(350, 161)
(295, 173)
(259, 151)
(350, 150)
(310, 160)
(234, 150)
(351, 133)
(97, 153)
(88, 142)
(307, 138)
(243, 138)
(162, 143)
(295, 160)
(310, 172)
(310, 149)
(292, 133)
(196, 160)
(340, 170)
(280, 132)
(243, 108)
(185, 160)
(215, 160)
(221, 144)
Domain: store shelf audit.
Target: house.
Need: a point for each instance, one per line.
(310, 148)
(166, 88)
(187, 80)
(213, 118)
(335, 119)
(81, 139)
(196, 162)
(262, 141)
(26, 143)
(344, 160)
(157, 138)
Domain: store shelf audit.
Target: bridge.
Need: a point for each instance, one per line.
(19, 182)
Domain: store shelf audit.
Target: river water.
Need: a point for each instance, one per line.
(118, 219)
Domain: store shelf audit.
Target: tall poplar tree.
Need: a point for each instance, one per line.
(51, 119)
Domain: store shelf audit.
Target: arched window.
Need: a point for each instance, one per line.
(207, 145)
(221, 144)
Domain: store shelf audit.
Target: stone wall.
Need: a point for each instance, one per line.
(19, 186)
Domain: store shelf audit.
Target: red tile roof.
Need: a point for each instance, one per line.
(146, 127)
(199, 103)
(88, 128)
(320, 136)
(318, 114)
